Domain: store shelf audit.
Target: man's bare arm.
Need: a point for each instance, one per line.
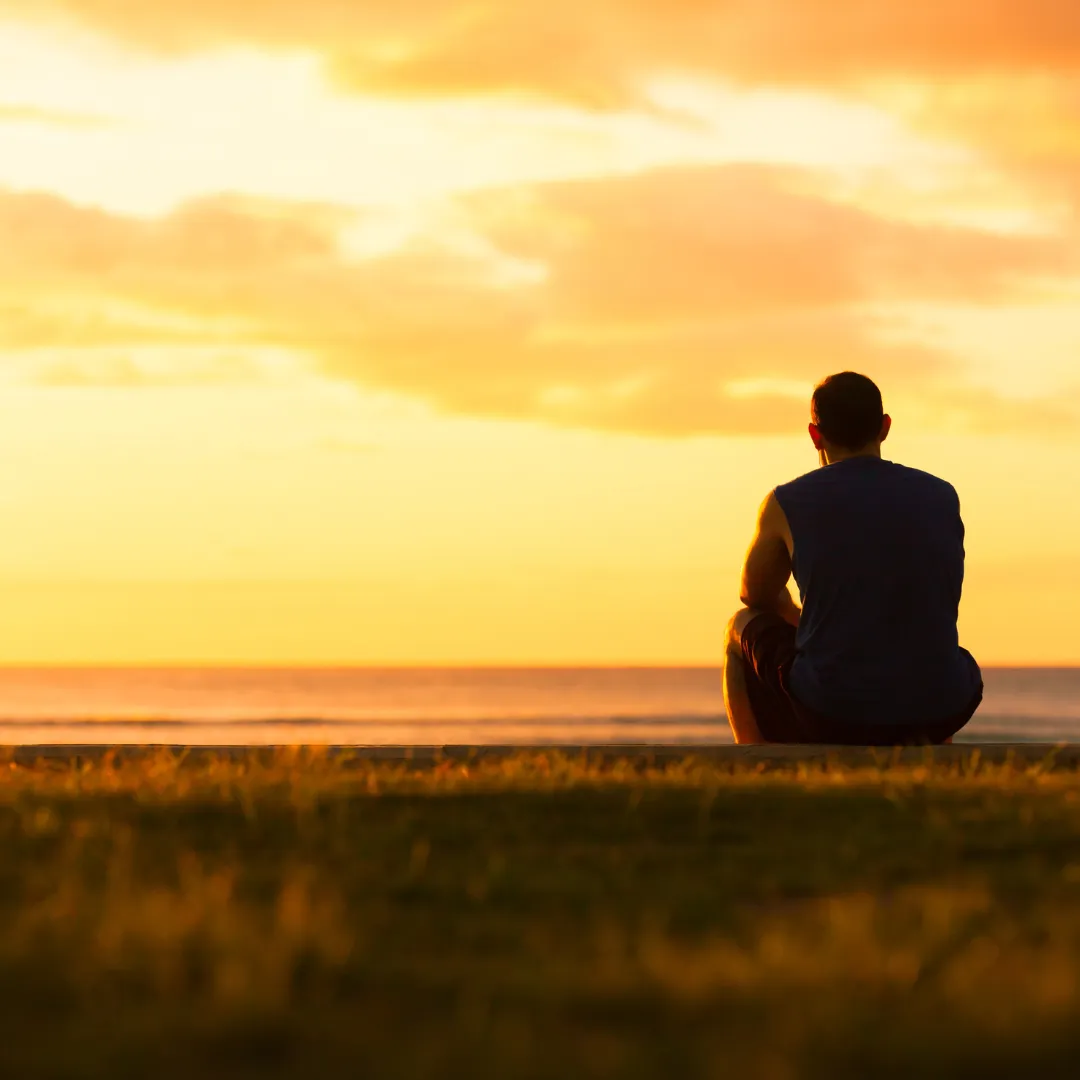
(768, 564)
(787, 609)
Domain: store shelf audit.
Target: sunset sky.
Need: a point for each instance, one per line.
(439, 331)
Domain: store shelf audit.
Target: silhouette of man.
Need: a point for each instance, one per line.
(877, 551)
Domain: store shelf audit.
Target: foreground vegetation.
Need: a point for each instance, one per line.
(293, 915)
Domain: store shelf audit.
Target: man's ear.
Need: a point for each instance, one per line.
(815, 437)
(886, 427)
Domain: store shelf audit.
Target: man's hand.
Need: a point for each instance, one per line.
(787, 609)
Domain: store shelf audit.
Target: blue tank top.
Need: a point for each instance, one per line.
(879, 561)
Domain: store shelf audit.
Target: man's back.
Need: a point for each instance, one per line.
(879, 560)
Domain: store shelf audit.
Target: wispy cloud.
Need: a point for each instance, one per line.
(32, 114)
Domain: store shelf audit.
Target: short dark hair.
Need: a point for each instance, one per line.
(848, 411)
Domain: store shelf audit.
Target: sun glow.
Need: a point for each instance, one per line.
(320, 348)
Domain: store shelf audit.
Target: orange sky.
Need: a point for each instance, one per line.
(445, 332)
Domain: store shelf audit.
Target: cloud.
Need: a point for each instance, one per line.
(674, 242)
(220, 237)
(1027, 128)
(660, 296)
(600, 53)
(31, 114)
(158, 367)
(995, 75)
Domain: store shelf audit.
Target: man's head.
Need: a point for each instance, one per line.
(847, 417)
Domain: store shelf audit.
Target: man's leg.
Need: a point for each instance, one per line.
(740, 714)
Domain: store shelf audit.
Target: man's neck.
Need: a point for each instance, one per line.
(835, 456)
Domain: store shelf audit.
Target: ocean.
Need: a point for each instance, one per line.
(442, 706)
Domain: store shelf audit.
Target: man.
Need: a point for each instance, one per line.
(877, 551)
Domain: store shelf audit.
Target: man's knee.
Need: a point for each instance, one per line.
(739, 622)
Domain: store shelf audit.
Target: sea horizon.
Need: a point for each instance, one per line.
(442, 704)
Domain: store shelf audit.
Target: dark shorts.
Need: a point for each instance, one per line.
(768, 646)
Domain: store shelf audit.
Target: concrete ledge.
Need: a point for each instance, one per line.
(1057, 756)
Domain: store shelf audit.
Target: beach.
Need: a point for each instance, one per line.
(621, 912)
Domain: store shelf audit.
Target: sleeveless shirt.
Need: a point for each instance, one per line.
(879, 561)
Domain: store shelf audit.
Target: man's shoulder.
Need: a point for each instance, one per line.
(920, 477)
(903, 476)
(799, 481)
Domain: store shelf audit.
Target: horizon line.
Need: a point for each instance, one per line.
(364, 665)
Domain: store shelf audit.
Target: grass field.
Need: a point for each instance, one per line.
(293, 915)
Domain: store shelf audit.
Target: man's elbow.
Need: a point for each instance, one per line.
(754, 598)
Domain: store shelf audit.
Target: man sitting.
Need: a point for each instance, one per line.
(877, 551)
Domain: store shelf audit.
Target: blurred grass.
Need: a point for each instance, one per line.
(297, 915)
